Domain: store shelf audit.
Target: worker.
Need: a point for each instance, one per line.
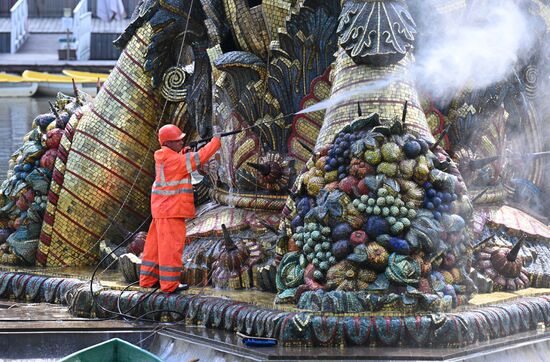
(171, 203)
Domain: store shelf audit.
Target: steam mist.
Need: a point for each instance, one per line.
(455, 50)
(474, 47)
(477, 49)
(484, 45)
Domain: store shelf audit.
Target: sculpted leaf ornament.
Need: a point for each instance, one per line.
(376, 32)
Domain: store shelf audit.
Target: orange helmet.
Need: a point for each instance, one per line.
(170, 133)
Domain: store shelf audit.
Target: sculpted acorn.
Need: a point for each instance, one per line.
(507, 262)
(504, 266)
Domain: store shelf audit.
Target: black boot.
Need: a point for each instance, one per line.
(181, 288)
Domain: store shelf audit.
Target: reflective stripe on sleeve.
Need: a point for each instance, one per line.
(197, 160)
(162, 177)
(172, 192)
(188, 162)
(163, 183)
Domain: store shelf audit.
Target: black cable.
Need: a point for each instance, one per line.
(131, 235)
(124, 315)
(123, 242)
(138, 303)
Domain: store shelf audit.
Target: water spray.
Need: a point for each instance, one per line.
(482, 162)
(200, 143)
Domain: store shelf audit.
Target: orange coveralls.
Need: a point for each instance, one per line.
(171, 203)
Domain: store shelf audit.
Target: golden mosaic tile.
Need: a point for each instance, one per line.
(485, 299)
(109, 146)
(382, 94)
(275, 14)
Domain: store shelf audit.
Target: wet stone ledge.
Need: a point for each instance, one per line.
(289, 327)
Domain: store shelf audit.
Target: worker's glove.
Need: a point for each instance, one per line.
(216, 131)
(193, 145)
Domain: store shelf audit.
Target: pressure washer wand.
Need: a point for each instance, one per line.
(195, 144)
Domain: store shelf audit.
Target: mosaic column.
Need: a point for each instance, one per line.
(110, 154)
(373, 67)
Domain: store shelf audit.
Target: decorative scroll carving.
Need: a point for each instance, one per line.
(173, 82)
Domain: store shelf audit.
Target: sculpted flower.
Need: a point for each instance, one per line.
(403, 269)
(345, 276)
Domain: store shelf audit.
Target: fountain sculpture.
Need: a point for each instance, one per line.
(364, 218)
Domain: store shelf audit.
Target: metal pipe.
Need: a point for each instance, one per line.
(478, 245)
(306, 147)
(478, 196)
(54, 111)
(405, 110)
(513, 254)
(482, 162)
(441, 136)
